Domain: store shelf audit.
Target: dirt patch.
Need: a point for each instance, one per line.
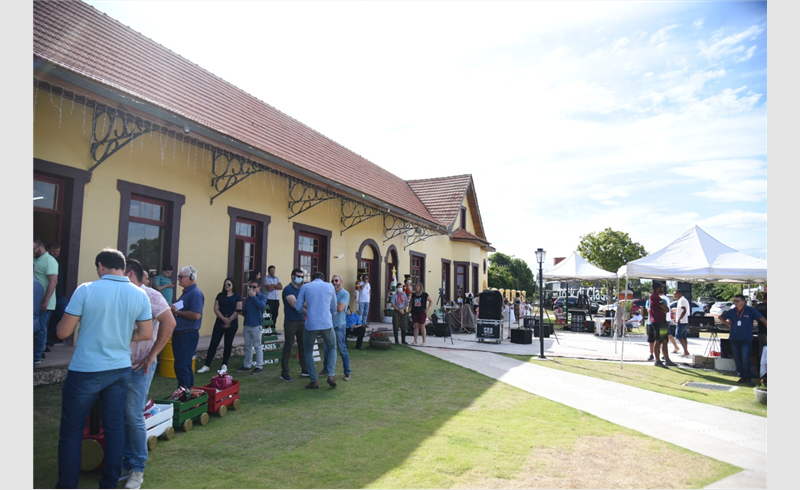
(621, 461)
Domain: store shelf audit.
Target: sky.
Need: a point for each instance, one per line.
(572, 117)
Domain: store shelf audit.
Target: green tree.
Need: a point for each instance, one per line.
(506, 272)
(609, 249)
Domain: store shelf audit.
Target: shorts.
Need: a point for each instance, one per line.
(672, 329)
(657, 331)
(683, 331)
(419, 318)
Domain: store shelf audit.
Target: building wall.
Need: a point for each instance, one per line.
(63, 136)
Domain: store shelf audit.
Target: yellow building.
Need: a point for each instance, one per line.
(139, 149)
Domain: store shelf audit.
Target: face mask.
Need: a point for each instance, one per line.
(298, 280)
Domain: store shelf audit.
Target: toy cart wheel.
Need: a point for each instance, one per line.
(237, 403)
(187, 425)
(169, 433)
(223, 410)
(92, 454)
(151, 442)
(204, 419)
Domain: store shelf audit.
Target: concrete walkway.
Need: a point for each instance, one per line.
(726, 435)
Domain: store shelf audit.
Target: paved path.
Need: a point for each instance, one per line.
(726, 435)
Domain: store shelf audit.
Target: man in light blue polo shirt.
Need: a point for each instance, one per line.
(101, 364)
(319, 298)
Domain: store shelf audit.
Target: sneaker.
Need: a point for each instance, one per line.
(47, 349)
(676, 352)
(324, 372)
(286, 377)
(43, 356)
(405, 343)
(257, 370)
(312, 386)
(332, 381)
(347, 377)
(224, 368)
(203, 369)
(651, 357)
(135, 480)
(125, 474)
(669, 363)
(424, 344)
(659, 364)
(37, 362)
(414, 343)
(242, 369)
(305, 374)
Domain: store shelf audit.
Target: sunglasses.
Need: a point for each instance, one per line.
(181, 277)
(253, 287)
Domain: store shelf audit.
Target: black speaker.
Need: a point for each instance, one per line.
(521, 336)
(490, 305)
(548, 330)
(725, 348)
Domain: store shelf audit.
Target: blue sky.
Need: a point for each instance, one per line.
(646, 117)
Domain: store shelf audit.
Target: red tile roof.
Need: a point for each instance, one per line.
(442, 195)
(463, 235)
(77, 37)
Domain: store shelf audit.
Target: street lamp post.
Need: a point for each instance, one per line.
(540, 253)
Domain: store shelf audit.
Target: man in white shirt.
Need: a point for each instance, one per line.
(271, 286)
(682, 313)
(364, 290)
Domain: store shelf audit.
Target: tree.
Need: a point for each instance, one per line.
(507, 272)
(609, 249)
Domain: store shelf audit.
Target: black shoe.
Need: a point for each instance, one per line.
(405, 343)
(670, 363)
(312, 385)
(257, 370)
(358, 348)
(242, 369)
(659, 364)
(305, 374)
(651, 357)
(286, 377)
(47, 349)
(43, 356)
(741, 381)
(324, 372)
(332, 381)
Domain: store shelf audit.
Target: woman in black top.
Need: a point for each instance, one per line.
(420, 304)
(226, 306)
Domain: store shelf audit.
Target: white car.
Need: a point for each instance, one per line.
(696, 309)
(720, 307)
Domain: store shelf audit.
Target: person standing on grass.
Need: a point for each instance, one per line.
(659, 325)
(253, 321)
(45, 269)
(293, 326)
(101, 364)
(227, 306)
(740, 321)
(682, 321)
(400, 316)
(318, 299)
(420, 305)
(272, 285)
(188, 319)
(340, 324)
(143, 366)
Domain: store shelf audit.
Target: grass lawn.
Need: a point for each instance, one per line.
(667, 381)
(406, 420)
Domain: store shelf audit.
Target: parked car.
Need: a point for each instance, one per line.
(572, 301)
(696, 309)
(706, 302)
(719, 307)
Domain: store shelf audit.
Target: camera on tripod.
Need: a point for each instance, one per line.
(441, 290)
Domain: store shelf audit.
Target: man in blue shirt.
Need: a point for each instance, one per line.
(293, 325)
(101, 364)
(253, 321)
(740, 320)
(187, 325)
(319, 299)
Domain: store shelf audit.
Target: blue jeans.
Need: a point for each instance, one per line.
(184, 347)
(40, 335)
(341, 345)
(363, 312)
(135, 452)
(79, 394)
(329, 348)
(741, 355)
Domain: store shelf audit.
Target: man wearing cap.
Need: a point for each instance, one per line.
(682, 313)
(659, 326)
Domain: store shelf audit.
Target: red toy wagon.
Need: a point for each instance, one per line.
(220, 400)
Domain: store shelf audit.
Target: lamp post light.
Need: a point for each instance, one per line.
(540, 253)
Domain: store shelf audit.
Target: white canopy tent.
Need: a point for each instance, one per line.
(696, 256)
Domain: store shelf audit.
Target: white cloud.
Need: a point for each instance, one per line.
(747, 56)
(698, 24)
(662, 35)
(729, 45)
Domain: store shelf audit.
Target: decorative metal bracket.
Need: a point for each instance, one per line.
(107, 139)
(231, 169)
(418, 235)
(394, 227)
(304, 196)
(354, 213)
